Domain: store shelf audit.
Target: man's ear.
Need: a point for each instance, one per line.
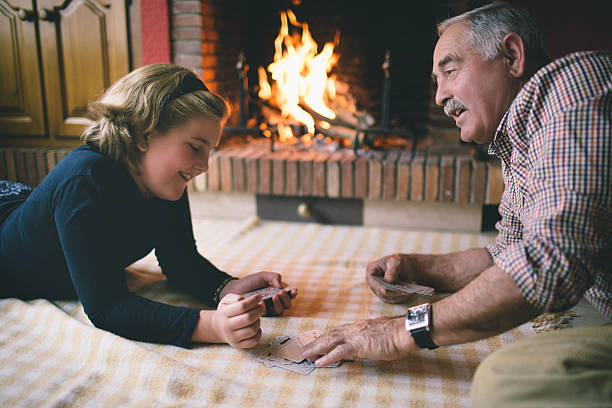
(513, 49)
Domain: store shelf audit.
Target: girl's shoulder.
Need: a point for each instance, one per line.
(89, 162)
(86, 160)
(85, 168)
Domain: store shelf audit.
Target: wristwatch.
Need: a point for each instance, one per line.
(419, 320)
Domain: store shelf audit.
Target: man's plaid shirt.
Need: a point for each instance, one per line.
(555, 145)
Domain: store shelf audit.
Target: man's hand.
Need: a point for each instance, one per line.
(259, 280)
(237, 320)
(376, 339)
(444, 272)
(393, 268)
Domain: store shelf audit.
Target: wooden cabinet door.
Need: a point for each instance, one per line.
(84, 50)
(21, 96)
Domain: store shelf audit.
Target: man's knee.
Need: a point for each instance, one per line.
(488, 388)
(564, 368)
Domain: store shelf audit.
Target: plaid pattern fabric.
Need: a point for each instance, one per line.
(555, 142)
(51, 355)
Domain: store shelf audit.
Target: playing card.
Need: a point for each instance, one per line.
(271, 360)
(285, 352)
(308, 337)
(311, 363)
(278, 340)
(290, 349)
(266, 293)
(406, 287)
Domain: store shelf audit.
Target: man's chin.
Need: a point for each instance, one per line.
(470, 137)
(466, 136)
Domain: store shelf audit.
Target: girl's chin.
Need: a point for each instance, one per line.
(170, 195)
(175, 196)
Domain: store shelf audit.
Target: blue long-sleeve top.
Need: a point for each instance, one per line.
(78, 230)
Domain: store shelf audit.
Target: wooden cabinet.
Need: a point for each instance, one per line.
(55, 57)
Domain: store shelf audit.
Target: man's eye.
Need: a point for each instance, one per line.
(450, 71)
(194, 148)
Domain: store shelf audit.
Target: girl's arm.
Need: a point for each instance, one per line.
(98, 233)
(175, 249)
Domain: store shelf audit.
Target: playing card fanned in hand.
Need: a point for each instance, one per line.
(266, 293)
(406, 287)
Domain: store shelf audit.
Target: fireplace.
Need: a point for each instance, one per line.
(410, 152)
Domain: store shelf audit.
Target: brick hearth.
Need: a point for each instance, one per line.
(391, 175)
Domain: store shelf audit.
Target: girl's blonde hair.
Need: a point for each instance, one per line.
(154, 97)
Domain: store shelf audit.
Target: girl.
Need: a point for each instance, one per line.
(122, 194)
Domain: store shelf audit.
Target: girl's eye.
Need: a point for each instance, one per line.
(194, 148)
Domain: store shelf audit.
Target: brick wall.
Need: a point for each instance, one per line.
(186, 33)
(207, 37)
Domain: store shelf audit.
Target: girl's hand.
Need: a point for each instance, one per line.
(237, 320)
(280, 302)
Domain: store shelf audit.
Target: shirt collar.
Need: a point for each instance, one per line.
(500, 145)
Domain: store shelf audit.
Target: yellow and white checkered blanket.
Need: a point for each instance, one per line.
(51, 355)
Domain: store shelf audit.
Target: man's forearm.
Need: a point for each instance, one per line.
(490, 304)
(451, 272)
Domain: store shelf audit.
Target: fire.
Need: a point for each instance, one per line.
(299, 75)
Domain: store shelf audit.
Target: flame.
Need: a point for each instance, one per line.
(285, 134)
(299, 75)
(265, 91)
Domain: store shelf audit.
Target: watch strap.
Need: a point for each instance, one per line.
(422, 338)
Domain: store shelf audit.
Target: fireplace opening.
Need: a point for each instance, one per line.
(303, 104)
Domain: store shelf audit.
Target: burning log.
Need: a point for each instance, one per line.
(362, 120)
(351, 124)
(264, 103)
(339, 131)
(344, 118)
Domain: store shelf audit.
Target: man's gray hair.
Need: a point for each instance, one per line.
(489, 24)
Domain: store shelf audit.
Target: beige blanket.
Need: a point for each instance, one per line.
(51, 355)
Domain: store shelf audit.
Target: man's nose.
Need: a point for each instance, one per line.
(442, 94)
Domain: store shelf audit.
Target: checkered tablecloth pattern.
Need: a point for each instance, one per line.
(51, 355)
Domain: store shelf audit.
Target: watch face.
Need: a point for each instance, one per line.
(418, 317)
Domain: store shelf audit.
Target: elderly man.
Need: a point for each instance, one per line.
(551, 125)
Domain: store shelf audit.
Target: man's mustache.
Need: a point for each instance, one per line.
(452, 105)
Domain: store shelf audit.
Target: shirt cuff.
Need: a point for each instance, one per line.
(190, 321)
(494, 250)
(216, 299)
